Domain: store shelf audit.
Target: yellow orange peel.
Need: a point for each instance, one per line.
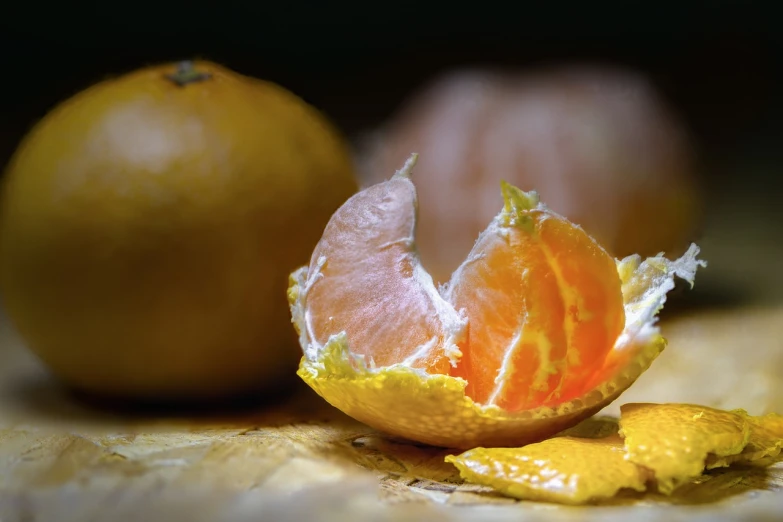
(678, 441)
(566, 470)
(655, 445)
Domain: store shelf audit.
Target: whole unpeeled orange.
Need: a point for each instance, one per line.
(599, 144)
(149, 224)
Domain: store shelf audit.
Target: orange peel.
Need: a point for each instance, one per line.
(567, 470)
(679, 441)
(654, 445)
(432, 407)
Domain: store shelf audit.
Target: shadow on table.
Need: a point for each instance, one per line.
(36, 397)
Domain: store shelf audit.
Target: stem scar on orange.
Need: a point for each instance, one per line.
(538, 329)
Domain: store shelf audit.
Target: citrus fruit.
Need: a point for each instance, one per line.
(598, 143)
(149, 223)
(538, 329)
(660, 446)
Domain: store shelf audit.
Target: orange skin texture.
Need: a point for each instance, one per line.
(147, 230)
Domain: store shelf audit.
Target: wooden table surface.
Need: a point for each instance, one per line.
(301, 459)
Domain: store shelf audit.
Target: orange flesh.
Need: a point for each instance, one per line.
(545, 308)
(368, 286)
(543, 301)
(513, 306)
(595, 310)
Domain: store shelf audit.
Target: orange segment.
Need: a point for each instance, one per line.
(591, 288)
(544, 304)
(568, 470)
(675, 440)
(516, 319)
(365, 279)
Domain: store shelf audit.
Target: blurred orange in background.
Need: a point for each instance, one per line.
(597, 142)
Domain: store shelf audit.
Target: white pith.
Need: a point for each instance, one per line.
(313, 347)
(454, 323)
(505, 367)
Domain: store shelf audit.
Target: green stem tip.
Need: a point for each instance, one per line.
(187, 73)
(517, 203)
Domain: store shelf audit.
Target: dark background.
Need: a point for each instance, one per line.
(718, 63)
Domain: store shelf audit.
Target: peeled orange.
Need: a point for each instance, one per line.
(149, 223)
(538, 329)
